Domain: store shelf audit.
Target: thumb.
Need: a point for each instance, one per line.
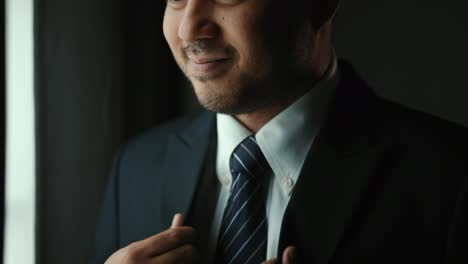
(290, 255)
(178, 220)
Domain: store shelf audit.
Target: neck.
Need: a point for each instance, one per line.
(255, 120)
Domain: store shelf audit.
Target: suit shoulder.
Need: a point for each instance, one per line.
(392, 118)
(154, 138)
(413, 124)
(426, 144)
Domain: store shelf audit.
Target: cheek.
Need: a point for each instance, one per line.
(170, 27)
(239, 34)
(245, 31)
(254, 52)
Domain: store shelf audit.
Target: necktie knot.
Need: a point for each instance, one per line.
(247, 159)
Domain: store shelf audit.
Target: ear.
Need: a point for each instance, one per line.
(322, 11)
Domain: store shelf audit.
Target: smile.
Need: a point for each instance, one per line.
(210, 66)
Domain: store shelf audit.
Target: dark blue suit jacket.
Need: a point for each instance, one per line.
(381, 184)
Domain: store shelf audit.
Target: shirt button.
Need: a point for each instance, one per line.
(289, 182)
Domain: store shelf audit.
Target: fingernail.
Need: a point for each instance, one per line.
(174, 219)
(177, 220)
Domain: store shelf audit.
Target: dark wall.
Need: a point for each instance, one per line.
(104, 74)
(413, 52)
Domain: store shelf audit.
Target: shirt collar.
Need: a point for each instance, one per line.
(230, 134)
(286, 139)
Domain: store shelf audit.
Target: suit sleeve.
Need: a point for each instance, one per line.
(107, 229)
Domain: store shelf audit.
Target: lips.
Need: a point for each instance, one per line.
(210, 66)
(208, 60)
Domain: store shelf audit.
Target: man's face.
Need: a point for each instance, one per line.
(230, 52)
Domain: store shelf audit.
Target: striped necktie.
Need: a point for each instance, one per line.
(243, 233)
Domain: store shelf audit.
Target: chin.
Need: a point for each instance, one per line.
(213, 98)
(226, 101)
(232, 94)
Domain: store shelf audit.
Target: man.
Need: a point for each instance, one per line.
(300, 163)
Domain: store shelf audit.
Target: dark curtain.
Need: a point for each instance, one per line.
(104, 74)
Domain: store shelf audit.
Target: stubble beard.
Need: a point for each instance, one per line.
(250, 91)
(273, 75)
(244, 95)
(235, 91)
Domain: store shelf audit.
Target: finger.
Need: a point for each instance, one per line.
(168, 240)
(186, 254)
(271, 261)
(178, 220)
(290, 255)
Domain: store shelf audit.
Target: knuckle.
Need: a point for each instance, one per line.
(132, 250)
(175, 235)
(131, 259)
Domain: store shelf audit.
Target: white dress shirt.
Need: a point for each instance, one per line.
(285, 141)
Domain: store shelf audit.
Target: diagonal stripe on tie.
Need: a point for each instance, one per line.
(242, 164)
(238, 212)
(252, 236)
(255, 257)
(250, 153)
(231, 202)
(243, 232)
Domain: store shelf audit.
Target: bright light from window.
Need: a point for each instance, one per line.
(20, 143)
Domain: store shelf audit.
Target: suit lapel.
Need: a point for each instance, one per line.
(186, 152)
(336, 174)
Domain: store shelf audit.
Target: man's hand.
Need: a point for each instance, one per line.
(290, 256)
(174, 245)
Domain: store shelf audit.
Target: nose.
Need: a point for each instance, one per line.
(197, 21)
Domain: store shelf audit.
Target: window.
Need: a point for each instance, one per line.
(20, 145)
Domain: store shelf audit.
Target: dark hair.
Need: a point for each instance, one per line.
(316, 11)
